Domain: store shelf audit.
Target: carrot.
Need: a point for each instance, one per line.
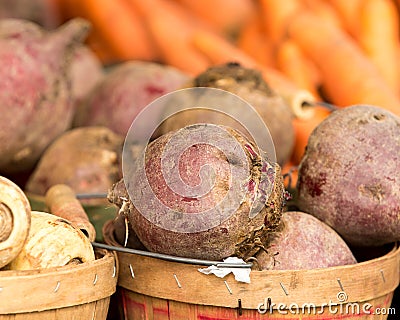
(253, 41)
(171, 27)
(348, 12)
(121, 27)
(220, 51)
(290, 174)
(292, 62)
(276, 15)
(61, 201)
(324, 10)
(349, 77)
(224, 16)
(379, 38)
(100, 48)
(303, 129)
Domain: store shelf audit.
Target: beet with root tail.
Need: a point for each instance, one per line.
(35, 99)
(202, 200)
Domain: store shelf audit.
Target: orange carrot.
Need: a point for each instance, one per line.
(276, 15)
(121, 27)
(292, 62)
(303, 129)
(349, 77)
(219, 50)
(324, 10)
(101, 48)
(379, 38)
(171, 26)
(225, 16)
(290, 174)
(62, 202)
(253, 41)
(348, 12)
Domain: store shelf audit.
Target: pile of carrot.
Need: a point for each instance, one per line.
(339, 51)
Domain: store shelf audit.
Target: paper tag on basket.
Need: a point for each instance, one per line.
(241, 274)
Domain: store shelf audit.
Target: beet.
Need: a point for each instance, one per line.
(249, 85)
(87, 159)
(86, 72)
(304, 242)
(35, 103)
(230, 199)
(125, 91)
(349, 176)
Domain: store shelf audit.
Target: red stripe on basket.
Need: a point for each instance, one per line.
(385, 304)
(135, 305)
(304, 317)
(137, 308)
(159, 311)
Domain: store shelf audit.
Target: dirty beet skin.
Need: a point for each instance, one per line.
(349, 175)
(239, 234)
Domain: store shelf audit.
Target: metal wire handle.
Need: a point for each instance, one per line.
(167, 257)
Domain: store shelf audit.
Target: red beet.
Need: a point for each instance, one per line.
(210, 223)
(35, 104)
(86, 72)
(125, 91)
(304, 242)
(349, 175)
(249, 85)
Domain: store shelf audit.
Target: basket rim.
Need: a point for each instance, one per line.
(360, 282)
(23, 291)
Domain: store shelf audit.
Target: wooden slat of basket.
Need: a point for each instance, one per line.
(361, 282)
(101, 309)
(53, 288)
(96, 310)
(142, 307)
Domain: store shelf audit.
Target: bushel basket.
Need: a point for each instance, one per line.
(151, 288)
(80, 292)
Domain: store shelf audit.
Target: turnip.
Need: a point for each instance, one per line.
(35, 103)
(125, 90)
(349, 175)
(87, 159)
(249, 85)
(230, 200)
(52, 242)
(304, 242)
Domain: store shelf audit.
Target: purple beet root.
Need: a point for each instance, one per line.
(170, 220)
(35, 102)
(304, 242)
(249, 85)
(349, 175)
(86, 72)
(125, 91)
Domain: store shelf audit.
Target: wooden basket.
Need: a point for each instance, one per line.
(80, 292)
(157, 289)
